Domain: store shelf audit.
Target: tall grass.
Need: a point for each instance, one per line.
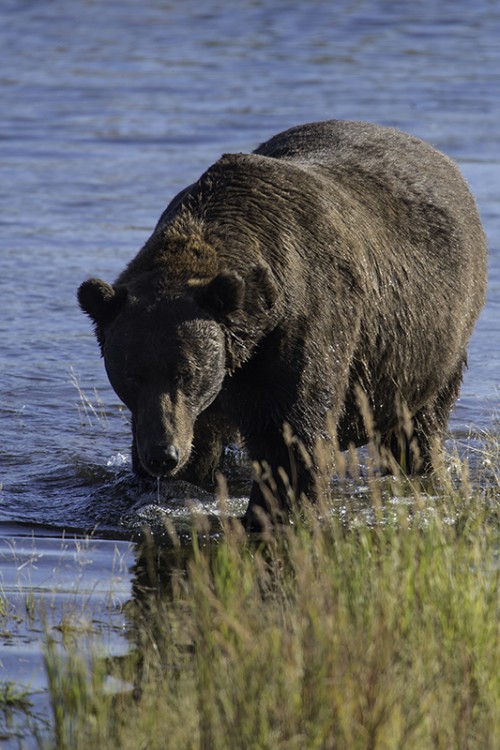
(333, 633)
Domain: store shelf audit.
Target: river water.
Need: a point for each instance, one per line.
(108, 109)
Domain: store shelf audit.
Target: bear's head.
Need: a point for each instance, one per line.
(166, 358)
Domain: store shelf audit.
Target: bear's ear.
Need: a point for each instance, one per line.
(101, 302)
(224, 294)
(261, 287)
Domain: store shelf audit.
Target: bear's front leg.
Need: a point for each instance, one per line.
(284, 475)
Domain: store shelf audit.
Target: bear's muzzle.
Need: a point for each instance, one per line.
(161, 460)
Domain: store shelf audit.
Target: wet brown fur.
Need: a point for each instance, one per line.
(337, 257)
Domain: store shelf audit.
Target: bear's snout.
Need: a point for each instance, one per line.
(161, 460)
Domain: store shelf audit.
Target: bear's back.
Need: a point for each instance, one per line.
(337, 141)
(377, 156)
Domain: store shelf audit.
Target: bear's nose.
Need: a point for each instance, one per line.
(162, 459)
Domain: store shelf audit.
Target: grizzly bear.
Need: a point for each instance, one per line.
(339, 264)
